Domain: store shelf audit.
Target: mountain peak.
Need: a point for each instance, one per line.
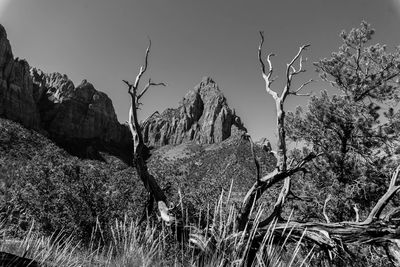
(3, 33)
(203, 117)
(207, 81)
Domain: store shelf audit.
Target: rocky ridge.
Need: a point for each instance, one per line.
(16, 90)
(203, 117)
(83, 120)
(81, 112)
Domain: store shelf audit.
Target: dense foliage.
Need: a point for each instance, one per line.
(353, 124)
(348, 127)
(42, 182)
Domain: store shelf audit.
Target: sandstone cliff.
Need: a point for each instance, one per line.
(83, 120)
(82, 112)
(16, 91)
(203, 116)
(79, 117)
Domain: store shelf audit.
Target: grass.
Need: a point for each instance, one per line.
(217, 243)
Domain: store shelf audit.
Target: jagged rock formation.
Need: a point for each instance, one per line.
(16, 91)
(203, 116)
(264, 144)
(82, 119)
(81, 112)
(75, 116)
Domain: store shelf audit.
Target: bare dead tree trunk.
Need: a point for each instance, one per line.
(281, 172)
(377, 229)
(139, 161)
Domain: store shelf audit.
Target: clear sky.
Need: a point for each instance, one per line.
(104, 41)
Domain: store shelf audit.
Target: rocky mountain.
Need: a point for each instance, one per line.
(199, 151)
(79, 118)
(16, 89)
(264, 144)
(203, 116)
(80, 113)
(83, 120)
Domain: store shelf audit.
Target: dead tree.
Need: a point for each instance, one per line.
(283, 171)
(139, 162)
(379, 228)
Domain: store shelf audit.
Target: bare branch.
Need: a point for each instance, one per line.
(356, 210)
(267, 77)
(291, 70)
(142, 68)
(308, 94)
(383, 201)
(260, 51)
(149, 83)
(129, 86)
(394, 177)
(270, 64)
(324, 209)
(302, 86)
(139, 162)
(276, 213)
(300, 165)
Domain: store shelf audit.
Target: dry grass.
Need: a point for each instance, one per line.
(218, 243)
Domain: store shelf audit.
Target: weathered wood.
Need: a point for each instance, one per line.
(8, 259)
(139, 162)
(377, 229)
(281, 171)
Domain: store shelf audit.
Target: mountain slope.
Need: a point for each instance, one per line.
(43, 182)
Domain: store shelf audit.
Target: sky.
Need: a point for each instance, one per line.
(104, 42)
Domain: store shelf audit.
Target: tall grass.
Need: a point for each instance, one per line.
(217, 243)
(221, 244)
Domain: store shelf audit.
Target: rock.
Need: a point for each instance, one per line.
(16, 94)
(79, 116)
(83, 120)
(265, 144)
(73, 113)
(203, 116)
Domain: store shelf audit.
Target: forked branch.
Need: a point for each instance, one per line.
(281, 172)
(384, 200)
(144, 67)
(139, 162)
(267, 76)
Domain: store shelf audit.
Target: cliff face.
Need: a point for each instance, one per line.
(80, 118)
(203, 116)
(82, 112)
(16, 91)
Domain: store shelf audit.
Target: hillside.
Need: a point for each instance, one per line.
(43, 182)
